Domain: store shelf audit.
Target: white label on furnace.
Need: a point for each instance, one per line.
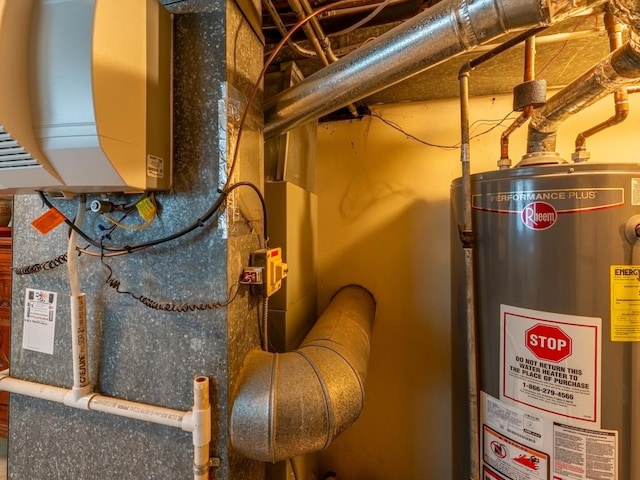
(39, 320)
(155, 166)
(551, 362)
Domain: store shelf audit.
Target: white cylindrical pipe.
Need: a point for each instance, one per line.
(201, 420)
(198, 421)
(32, 389)
(138, 411)
(80, 357)
(81, 381)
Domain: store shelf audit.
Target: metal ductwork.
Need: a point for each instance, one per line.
(439, 33)
(294, 403)
(617, 70)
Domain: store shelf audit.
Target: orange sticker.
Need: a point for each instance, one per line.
(48, 221)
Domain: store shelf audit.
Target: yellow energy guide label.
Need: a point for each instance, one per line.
(625, 303)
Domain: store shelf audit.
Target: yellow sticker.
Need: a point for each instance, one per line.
(625, 303)
(147, 209)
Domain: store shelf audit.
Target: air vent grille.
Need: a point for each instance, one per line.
(12, 154)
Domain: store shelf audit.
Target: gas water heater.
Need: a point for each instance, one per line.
(557, 294)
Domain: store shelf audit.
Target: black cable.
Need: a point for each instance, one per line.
(38, 267)
(181, 307)
(200, 222)
(62, 259)
(263, 204)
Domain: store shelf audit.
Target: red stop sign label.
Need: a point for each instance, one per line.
(548, 342)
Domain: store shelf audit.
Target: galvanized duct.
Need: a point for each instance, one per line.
(294, 403)
(620, 68)
(439, 33)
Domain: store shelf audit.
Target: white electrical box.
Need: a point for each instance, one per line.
(85, 96)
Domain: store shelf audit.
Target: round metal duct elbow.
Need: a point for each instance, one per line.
(294, 403)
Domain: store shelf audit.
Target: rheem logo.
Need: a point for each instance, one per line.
(539, 215)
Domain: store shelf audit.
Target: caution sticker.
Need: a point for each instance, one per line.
(48, 221)
(513, 459)
(625, 303)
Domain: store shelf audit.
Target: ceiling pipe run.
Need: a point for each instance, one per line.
(620, 96)
(620, 68)
(439, 33)
(294, 403)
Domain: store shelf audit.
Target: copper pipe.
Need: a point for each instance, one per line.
(621, 98)
(617, 70)
(529, 75)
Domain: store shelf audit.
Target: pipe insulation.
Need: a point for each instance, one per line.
(294, 403)
(437, 34)
(617, 70)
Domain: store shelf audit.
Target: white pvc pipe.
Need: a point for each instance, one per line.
(198, 421)
(81, 380)
(201, 423)
(31, 389)
(135, 410)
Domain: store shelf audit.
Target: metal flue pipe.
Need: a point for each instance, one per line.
(294, 403)
(620, 68)
(439, 33)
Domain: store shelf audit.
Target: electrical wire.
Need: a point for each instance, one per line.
(128, 209)
(181, 307)
(363, 21)
(38, 267)
(495, 124)
(565, 43)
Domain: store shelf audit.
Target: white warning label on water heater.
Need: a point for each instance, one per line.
(551, 362)
(582, 454)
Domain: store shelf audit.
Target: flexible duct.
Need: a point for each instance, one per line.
(294, 403)
(439, 33)
(620, 68)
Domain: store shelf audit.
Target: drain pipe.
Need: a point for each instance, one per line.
(617, 70)
(437, 34)
(467, 238)
(196, 421)
(78, 307)
(294, 403)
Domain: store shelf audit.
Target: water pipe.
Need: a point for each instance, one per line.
(197, 421)
(80, 356)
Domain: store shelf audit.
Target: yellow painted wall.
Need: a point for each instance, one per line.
(384, 223)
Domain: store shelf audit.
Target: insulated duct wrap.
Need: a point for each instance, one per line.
(621, 68)
(439, 33)
(294, 403)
